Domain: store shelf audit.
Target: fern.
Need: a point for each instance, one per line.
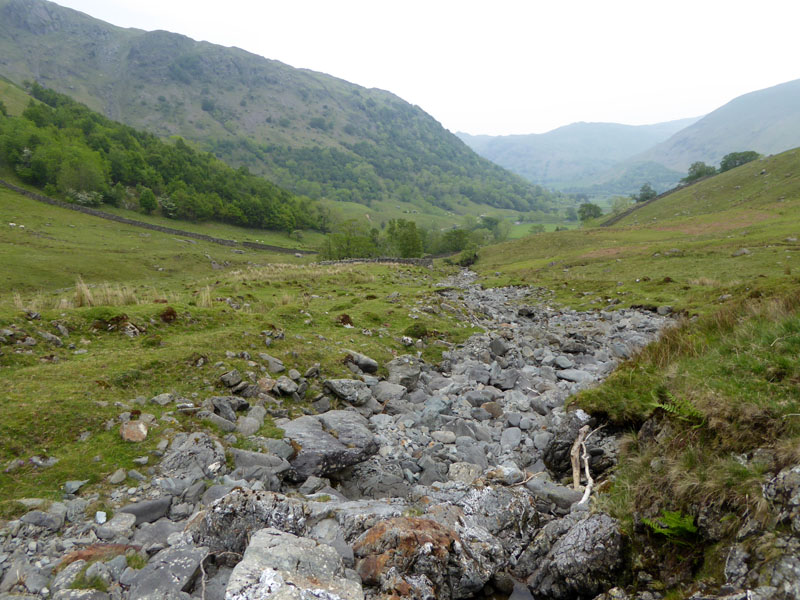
(679, 408)
(673, 525)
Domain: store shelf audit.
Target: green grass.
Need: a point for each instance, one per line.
(677, 259)
(52, 395)
(58, 244)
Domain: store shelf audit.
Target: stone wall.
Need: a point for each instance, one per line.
(197, 236)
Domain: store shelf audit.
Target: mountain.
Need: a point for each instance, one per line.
(767, 121)
(571, 153)
(308, 132)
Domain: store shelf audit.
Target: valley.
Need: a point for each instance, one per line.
(313, 346)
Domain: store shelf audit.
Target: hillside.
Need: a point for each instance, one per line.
(308, 132)
(563, 156)
(767, 121)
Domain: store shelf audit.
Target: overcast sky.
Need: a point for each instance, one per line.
(507, 66)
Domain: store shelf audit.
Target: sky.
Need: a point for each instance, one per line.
(505, 67)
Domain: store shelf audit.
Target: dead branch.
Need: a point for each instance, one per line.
(575, 456)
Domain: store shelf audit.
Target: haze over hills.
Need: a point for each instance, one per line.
(767, 121)
(603, 159)
(308, 132)
(571, 153)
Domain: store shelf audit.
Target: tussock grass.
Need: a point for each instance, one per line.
(719, 399)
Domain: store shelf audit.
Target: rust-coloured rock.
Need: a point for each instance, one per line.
(133, 431)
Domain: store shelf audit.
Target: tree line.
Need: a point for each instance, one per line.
(69, 151)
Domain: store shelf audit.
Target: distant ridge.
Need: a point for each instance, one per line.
(308, 132)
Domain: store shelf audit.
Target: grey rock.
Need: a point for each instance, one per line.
(224, 424)
(65, 578)
(511, 437)
(322, 453)
(248, 425)
(231, 378)
(169, 572)
(163, 399)
(247, 458)
(117, 476)
(148, 534)
(222, 407)
(286, 386)
(548, 493)
(71, 487)
(283, 566)
(51, 339)
(274, 365)
(148, 510)
(405, 370)
(81, 595)
(192, 457)
(120, 526)
(385, 392)
(562, 362)
(582, 562)
(498, 346)
(362, 361)
(351, 391)
(575, 375)
(52, 519)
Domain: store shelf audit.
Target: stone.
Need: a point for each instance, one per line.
(283, 566)
(286, 386)
(53, 519)
(321, 453)
(409, 552)
(118, 476)
(192, 457)
(549, 493)
(582, 562)
(511, 438)
(148, 510)
(71, 487)
(463, 472)
(742, 252)
(231, 378)
(274, 365)
(351, 391)
(81, 595)
(405, 370)
(563, 362)
(362, 361)
(163, 399)
(133, 431)
(169, 572)
(498, 346)
(248, 425)
(120, 526)
(385, 392)
(575, 375)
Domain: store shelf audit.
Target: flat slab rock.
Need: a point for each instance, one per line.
(282, 566)
(328, 443)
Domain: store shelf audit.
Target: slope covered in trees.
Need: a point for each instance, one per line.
(308, 132)
(68, 150)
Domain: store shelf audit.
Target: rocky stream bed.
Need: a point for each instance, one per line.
(447, 482)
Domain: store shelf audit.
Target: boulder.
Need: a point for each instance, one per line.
(405, 370)
(351, 391)
(192, 457)
(283, 566)
(412, 553)
(171, 571)
(582, 562)
(362, 361)
(329, 442)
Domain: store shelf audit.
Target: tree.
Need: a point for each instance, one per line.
(646, 192)
(147, 200)
(587, 211)
(737, 159)
(698, 170)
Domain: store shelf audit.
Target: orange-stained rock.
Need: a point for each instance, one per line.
(133, 431)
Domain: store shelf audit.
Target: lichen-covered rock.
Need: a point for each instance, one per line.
(193, 457)
(783, 491)
(582, 562)
(351, 391)
(417, 551)
(227, 524)
(278, 565)
(168, 573)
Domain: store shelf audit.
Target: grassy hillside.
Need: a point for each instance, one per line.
(571, 154)
(676, 251)
(308, 132)
(767, 121)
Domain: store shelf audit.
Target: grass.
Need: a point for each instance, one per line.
(52, 395)
(662, 255)
(712, 392)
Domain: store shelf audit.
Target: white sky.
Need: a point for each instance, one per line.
(507, 66)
